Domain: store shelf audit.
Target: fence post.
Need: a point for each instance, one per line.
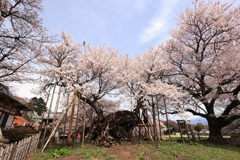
(1, 152)
(20, 150)
(29, 146)
(37, 140)
(14, 151)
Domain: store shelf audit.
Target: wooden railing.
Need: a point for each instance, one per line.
(20, 150)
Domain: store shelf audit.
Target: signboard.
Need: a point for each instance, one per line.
(182, 124)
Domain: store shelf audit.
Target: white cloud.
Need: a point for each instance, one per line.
(154, 29)
(160, 23)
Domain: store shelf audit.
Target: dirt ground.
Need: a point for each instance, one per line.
(128, 151)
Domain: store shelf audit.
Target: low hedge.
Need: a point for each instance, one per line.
(17, 134)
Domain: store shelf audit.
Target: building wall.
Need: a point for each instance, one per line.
(6, 116)
(9, 121)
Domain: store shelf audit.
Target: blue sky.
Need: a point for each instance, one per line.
(130, 26)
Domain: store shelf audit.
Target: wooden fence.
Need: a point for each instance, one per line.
(20, 150)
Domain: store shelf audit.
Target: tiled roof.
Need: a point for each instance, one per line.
(8, 100)
(20, 121)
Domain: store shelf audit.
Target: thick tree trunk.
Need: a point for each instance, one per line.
(93, 104)
(215, 127)
(117, 126)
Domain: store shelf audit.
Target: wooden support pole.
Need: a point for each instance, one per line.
(76, 122)
(49, 111)
(55, 112)
(41, 123)
(65, 119)
(146, 128)
(40, 127)
(71, 118)
(84, 123)
(57, 104)
(57, 125)
(154, 121)
(169, 133)
(159, 123)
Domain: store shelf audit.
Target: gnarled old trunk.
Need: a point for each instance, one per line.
(117, 126)
(215, 127)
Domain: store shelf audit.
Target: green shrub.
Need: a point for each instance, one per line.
(17, 134)
(56, 153)
(199, 127)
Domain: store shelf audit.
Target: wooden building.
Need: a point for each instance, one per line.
(9, 107)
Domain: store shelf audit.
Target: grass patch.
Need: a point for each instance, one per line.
(167, 150)
(173, 150)
(92, 152)
(54, 151)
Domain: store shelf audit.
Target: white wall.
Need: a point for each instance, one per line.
(9, 121)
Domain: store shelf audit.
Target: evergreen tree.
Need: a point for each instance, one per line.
(38, 104)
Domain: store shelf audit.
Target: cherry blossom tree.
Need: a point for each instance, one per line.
(99, 77)
(143, 82)
(22, 38)
(55, 56)
(143, 78)
(92, 75)
(204, 50)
